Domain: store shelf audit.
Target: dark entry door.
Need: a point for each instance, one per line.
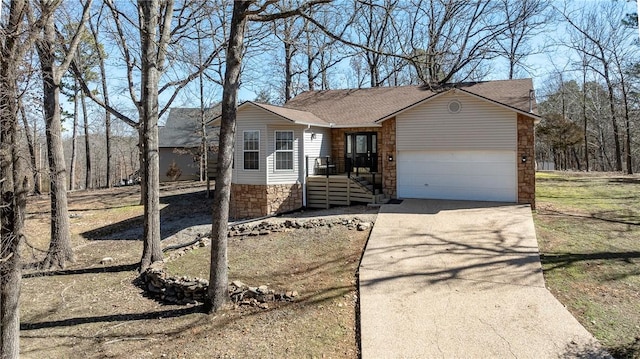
(361, 151)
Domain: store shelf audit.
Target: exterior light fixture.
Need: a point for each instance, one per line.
(390, 158)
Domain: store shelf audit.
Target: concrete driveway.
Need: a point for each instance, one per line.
(455, 279)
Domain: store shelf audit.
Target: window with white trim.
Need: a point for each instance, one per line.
(284, 150)
(251, 148)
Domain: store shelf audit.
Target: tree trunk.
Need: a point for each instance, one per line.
(74, 143)
(218, 291)
(288, 76)
(152, 251)
(627, 126)
(60, 247)
(204, 154)
(310, 80)
(10, 274)
(614, 122)
(373, 71)
(31, 142)
(12, 187)
(107, 121)
(105, 96)
(87, 148)
(584, 118)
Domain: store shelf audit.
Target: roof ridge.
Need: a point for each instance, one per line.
(447, 85)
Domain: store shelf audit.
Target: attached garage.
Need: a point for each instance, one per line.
(458, 175)
(457, 147)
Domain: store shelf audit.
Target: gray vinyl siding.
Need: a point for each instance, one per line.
(254, 119)
(251, 119)
(317, 147)
(184, 161)
(283, 176)
(479, 125)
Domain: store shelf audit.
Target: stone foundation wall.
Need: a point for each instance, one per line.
(248, 201)
(283, 198)
(526, 170)
(253, 201)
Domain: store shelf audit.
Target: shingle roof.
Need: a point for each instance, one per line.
(182, 128)
(297, 116)
(366, 106)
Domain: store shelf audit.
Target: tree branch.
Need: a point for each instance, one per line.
(75, 41)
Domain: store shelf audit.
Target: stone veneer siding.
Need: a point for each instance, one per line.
(283, 197)
(338, 138)
(386, 146)
(526, 170)
(389, 168)
(252, 201)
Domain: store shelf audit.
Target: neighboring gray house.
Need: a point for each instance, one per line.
(180, 140)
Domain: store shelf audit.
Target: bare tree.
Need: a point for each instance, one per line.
(48, 49)
(101, 58)
(444, 40)
(13, 183)
(88, 184)
(322, 52)
(243, 11)
(158, 29)
(218, 272)
(74, 140)
(449, 39)
(31, 137)
(376, 27)
(600, 28)
(525, 19)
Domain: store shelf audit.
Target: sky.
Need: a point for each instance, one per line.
(540, 65)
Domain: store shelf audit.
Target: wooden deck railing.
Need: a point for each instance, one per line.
(212, 166)
(324, 192)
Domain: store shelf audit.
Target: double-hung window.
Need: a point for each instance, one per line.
(284, 150)
(251, 147)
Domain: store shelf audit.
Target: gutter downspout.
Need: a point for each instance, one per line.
(304, 169)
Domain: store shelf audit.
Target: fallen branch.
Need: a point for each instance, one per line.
(127, 339)
(182, 245)
(109, 328)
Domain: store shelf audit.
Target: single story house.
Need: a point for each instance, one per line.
(465, 141)
(180, 142)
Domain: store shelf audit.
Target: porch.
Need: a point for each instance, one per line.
(341, 183)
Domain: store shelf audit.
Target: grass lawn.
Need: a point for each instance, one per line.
(588, 228)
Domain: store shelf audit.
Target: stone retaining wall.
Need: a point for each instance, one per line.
(186, 290)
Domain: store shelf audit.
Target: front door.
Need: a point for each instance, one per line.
(361, 151)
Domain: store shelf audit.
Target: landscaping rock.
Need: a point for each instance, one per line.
(185, 290)
(107, 260)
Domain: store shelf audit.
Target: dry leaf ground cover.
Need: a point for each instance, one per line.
(588, 228)
(91, 310)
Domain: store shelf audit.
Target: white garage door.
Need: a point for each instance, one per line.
(458, 175)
